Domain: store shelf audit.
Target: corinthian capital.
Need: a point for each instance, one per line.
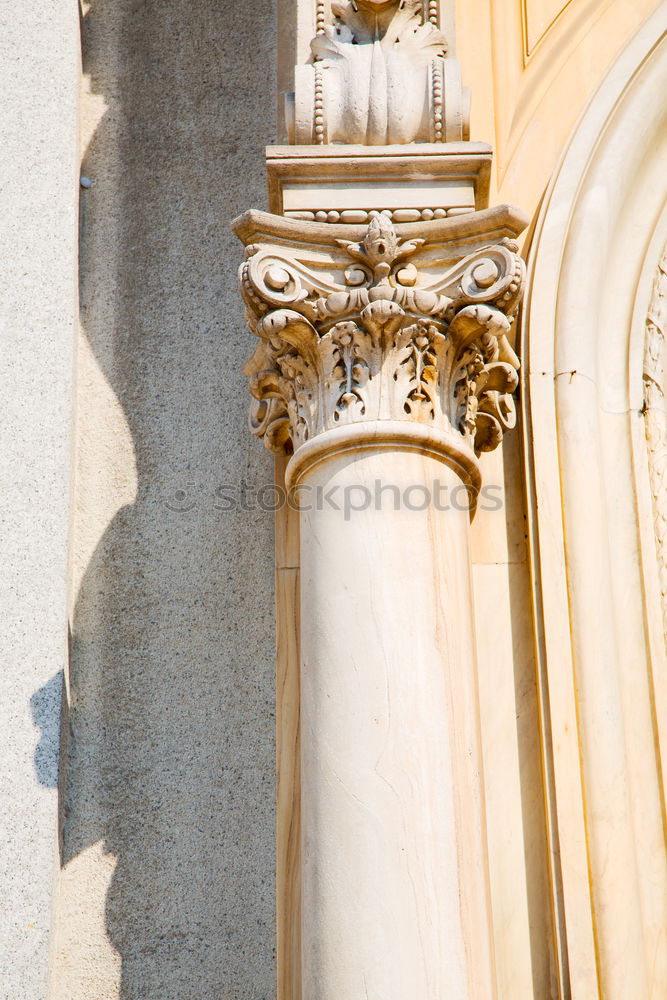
(402, 324)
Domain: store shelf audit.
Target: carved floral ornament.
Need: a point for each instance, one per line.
(372, 330)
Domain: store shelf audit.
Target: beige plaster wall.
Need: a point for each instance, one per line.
(533, 66)
(167, 881)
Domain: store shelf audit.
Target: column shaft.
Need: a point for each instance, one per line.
(393, 856)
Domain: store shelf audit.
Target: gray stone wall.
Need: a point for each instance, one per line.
(39, 73)
(167, 822)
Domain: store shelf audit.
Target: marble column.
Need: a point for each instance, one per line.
(393, 857)
(384, 379)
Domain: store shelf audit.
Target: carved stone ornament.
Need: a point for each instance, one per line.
(379, 76)
(655, 416)
(388, 326)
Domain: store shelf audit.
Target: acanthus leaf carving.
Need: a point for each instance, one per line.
(387, 339)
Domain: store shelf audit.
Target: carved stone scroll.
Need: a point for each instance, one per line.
(379, 75)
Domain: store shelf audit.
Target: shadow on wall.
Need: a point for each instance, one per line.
(45, 710)
(170, 758)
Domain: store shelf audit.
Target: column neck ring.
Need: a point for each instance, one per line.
(388, 436)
